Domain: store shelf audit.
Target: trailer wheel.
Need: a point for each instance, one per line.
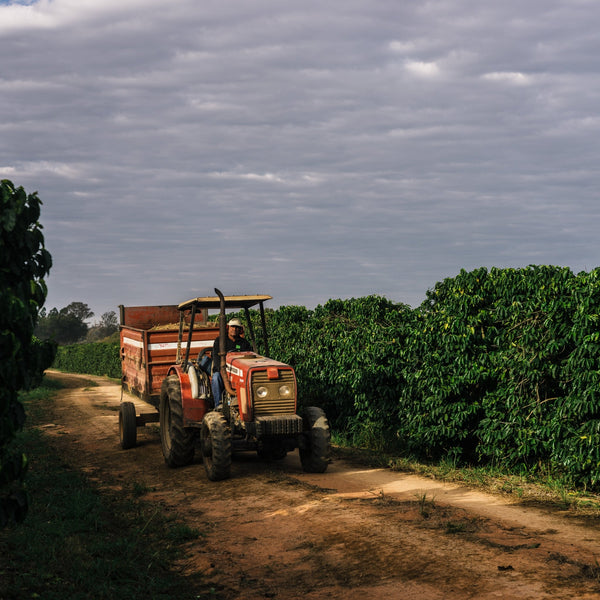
(177, 442)
(127, 425)
(215, 441)
(314, 454)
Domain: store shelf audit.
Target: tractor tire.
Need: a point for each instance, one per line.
(127, 425)
(314, 454)
(215, 441)
(177, 442)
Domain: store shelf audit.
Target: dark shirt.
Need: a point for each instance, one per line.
(240, 344)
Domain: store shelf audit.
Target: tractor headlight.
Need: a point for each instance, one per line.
(285, 391)
(262, 391)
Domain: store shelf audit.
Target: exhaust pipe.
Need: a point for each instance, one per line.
(222, 346)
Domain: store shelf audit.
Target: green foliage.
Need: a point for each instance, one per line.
(576, 443)
(42, 355)
(64, 326)
(497, 367)
(503, 370)
(24, 262)
(347, 356)
(99, 358)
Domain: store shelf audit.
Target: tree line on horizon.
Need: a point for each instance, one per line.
(68, 325)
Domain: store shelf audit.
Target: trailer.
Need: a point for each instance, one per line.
(149, 337)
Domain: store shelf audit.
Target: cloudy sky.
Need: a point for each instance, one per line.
(309, 150)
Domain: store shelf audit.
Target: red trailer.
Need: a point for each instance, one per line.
(150, 345)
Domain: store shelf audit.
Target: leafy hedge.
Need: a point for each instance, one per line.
(99, 358)
(498, 366)
(348, 360)
(24, 263)
(503, 368)
(495, 367)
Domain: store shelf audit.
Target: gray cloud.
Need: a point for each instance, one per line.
(311, 151)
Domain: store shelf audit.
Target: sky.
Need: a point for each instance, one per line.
(307, 150)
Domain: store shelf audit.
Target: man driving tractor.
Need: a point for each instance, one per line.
(233, 343)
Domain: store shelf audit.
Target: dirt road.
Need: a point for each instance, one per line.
(272, 531)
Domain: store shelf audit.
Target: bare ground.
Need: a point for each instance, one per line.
(272, 531)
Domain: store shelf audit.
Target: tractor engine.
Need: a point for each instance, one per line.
(264, 405)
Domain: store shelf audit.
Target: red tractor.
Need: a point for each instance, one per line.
(258, 410)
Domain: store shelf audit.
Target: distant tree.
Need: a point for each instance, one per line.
(107, 326)
(65, 326)
(79, 310)
(24, 262)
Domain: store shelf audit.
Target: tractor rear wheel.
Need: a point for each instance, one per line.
(177, 442)
(127, 425)
(314, 454)
(215, 441)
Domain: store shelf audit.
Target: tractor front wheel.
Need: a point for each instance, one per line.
(215, 441)
(314, 453)
(177, 442)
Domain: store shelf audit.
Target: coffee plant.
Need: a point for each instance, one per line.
(24, 262)
(98, 358)
(344, 354)
(505, 371)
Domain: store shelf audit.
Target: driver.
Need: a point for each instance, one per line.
(233, 343)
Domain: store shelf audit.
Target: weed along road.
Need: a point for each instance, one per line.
(273, 531)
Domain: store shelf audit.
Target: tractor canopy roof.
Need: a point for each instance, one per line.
(230, 302)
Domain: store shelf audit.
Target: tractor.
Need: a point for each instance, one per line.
(258, 410)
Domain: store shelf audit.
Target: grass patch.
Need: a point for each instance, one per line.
(78, 542)
(426, 505)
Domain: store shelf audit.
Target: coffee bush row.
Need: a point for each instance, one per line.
(498, 366)
(99, 358)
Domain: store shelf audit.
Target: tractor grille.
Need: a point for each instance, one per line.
(274, 403)
(274, 426)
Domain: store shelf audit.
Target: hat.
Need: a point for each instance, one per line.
(234, 323)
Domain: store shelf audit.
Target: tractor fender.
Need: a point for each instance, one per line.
(194, 408)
